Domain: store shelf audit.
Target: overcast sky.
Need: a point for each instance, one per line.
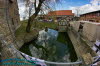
(83, 5)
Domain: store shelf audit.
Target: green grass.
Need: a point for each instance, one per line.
(21, 29)
(21, 33)
(42, 25)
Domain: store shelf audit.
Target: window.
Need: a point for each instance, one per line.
(11, 1)
(12, 21)
(81, 27)
(98, 14)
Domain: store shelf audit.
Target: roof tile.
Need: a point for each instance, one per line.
(61, 12)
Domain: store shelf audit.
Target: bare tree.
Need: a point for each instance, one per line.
(37, 6)
(79, 11)
(31, 18)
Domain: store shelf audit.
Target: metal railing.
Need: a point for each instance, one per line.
(53, 63)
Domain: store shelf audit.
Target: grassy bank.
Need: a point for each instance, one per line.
(41, 25)
(21, 33)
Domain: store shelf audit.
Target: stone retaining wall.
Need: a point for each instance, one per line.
(82, 48)
(90, 30)
(9, 22)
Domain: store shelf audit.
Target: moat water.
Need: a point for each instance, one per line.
(51, 46)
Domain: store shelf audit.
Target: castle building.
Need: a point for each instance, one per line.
(9, 22)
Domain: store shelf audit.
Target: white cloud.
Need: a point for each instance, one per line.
(22, 9)
(93, 6)
(21, 6)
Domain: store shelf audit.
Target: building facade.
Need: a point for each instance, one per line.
(91, 16)
(9, 22)
(61, 15)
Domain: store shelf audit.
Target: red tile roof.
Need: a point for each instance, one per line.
(61, 12)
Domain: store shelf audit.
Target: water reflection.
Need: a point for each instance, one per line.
(49, 48)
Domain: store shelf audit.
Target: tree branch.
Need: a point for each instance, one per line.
(35, 5)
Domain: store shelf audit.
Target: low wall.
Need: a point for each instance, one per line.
(90, 30)
(82, 48)
(75, 25)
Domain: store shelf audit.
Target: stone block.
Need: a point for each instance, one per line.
(76, 25)
(9, 21)
(87, 58)
(9, 39)
(6, 53)
(90, 30)
(98, 32)
(2, 4)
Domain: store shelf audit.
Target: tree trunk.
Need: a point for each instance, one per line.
(30, 20)
(28, 25)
